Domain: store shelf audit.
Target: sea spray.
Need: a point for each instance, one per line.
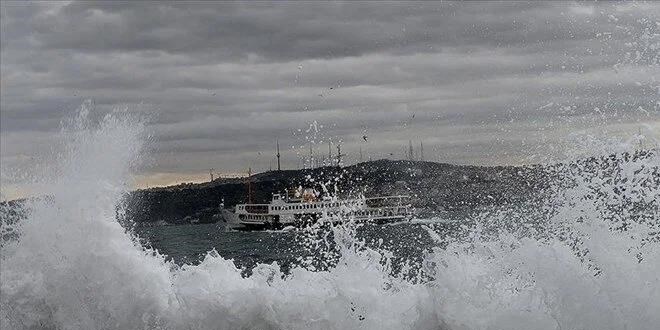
(590, 260)
(74, 266)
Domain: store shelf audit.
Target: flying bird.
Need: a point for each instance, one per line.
(364, 137)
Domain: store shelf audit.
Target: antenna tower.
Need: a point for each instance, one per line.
(339, 155)
(311, 156)
(277, 142)
(421, 151)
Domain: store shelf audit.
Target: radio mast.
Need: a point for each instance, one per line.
(277, 142)
(311, 156)
(421, 151)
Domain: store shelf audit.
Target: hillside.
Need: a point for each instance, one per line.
(435, 187)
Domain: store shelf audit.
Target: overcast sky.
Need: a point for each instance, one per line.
(478, 82)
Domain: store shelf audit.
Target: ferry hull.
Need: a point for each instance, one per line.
(308, 220)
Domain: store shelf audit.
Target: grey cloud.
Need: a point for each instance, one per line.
(312, 30)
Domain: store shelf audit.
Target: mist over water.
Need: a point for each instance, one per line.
(588, 258)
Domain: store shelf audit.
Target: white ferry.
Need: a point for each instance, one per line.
(303, 207)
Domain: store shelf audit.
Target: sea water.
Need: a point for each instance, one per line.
(588, 258)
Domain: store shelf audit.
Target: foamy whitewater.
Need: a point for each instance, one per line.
(592, 263)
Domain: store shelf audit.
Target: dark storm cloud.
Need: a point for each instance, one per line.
(476, 80)
(292, 31)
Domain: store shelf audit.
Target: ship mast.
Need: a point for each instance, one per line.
(249, 185)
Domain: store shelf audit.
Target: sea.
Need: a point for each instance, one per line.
(408, 241)
(587, 257)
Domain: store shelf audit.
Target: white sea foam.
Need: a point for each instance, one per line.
(74, 266)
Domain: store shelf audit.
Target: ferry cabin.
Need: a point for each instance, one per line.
(285, 212)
